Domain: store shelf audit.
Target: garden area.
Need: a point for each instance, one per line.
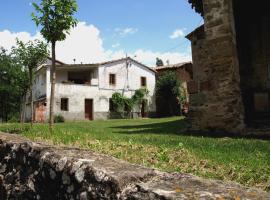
(162, 144)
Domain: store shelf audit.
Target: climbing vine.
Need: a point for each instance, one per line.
(124, 104)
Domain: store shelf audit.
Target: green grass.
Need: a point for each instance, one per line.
(163, 144)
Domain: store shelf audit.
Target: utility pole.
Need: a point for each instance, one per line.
(127, 65)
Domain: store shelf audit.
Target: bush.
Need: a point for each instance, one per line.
(169, 95)
(14, 119)
(59, 119)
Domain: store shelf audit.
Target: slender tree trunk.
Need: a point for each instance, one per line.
(23, 109)
(53, 80)
(31, 95)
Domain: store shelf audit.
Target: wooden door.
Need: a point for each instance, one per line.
(89, 109)
(39, 112)
(143, 109)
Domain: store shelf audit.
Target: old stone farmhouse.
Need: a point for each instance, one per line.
(84, 91)
(231, 58)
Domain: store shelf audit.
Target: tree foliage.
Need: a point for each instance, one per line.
(168, 93)
(13, 85)
(159, 62)
(55, 18)
(124, 104)
(30, 55)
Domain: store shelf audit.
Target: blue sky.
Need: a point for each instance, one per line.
(111, 28)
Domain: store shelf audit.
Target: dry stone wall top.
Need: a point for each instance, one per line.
(38, 171)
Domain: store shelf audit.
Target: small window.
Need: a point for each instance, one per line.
(143, 82)
(112, 79)
(64, 104)
(111, 105)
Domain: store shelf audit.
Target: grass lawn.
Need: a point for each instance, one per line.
(163, 144)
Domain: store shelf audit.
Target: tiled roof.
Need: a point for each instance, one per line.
(199, 32)
(174, 66)
(90, 65)
(123, 59)
(59, 62)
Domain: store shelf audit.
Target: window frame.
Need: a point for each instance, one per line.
(112, 79)
(64, 107)
(143, 80)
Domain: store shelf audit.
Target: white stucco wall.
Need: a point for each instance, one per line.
(39, 86)
(126, 82)
(128, 79)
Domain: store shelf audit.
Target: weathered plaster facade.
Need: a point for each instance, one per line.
(97, 88)
(218, 101)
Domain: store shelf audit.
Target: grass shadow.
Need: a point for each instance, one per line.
(180, 127)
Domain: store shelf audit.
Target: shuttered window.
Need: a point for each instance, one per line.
(64, 104)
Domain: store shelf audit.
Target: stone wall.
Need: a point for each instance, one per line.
(216, 102)
(37, 171)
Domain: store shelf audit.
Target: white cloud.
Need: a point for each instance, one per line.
(8, 38)
(126, 31)
(178, 33)
(116, 45)
(86, 45)
(149, 57)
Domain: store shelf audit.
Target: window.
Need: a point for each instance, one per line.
(143, 82)
(112, 79)
(111, 106)
(64, 104)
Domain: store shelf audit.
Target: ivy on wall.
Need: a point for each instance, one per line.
(124, 104)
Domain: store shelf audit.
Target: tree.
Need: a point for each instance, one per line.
(56, 19)
(30, 55)
(13, 85)
(168, 94)
(159, 62)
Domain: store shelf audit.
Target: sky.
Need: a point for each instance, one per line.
(111, 29)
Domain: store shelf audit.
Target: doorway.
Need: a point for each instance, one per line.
(253, 51)
(144, 109)
(39, 112)
(89, 109)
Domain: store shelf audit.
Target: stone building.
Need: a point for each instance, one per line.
(231, 59)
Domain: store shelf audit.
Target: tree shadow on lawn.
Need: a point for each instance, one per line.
(180, 127)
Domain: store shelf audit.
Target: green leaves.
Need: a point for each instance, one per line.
(31, 54)
(122, 103)
(168, 85)
(168, 94)
(13, 84)
(55, 17)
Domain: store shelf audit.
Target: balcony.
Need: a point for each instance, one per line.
(75, 89)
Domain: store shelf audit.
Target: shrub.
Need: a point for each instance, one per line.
(124, 105)
(169, 95)
(59, 119)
